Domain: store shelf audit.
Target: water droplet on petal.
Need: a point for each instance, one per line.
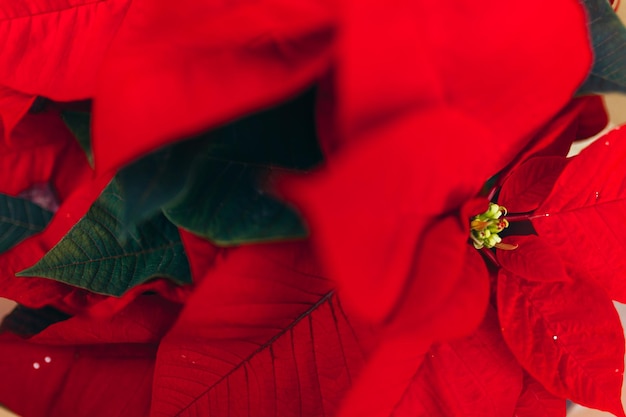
(47, 359)
(607, 143)
(36, 365)
(616, 370)
(555, 337)
(597, 195)
(183, 356)
(547, 214)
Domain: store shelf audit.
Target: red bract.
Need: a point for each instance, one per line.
(567, 335)
(42, 149)
(87, 380)
(390, 369)
(85, 366)
(588, 200)
(13, 106)
(54, 48)
(386, 227)
(428, 134)
(534, 259)
(180, 68)
(582, 118)
(263, 334)
(535, 401)
(476, 375)
(528, 185)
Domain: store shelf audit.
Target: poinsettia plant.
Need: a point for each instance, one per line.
(310, 207)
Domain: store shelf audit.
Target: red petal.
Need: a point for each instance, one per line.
(90, 380)
(389, 371)
(529, 185)
(584, 217)
(183, 67)
(568, 336)
(13, 106)
(535, 401)
(87, 366)
(415, 124)
(397, 61)
(145, 320)
(43, 151)
(533, 259)
(437, 305)
(262, 335)
(201, 254)
(370, 210)
(593, 119)
(555, 138)
(54, 48)
(476, 375)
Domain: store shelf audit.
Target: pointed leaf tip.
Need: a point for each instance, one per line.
(92, 256)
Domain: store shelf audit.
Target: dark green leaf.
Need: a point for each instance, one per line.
(156, 180)
(27, 322)
(227, 204)
(92, 256)
(19, 219)
(217, 185)
(608, 37)
(79, 124)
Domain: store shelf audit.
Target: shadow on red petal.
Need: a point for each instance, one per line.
(13, 106)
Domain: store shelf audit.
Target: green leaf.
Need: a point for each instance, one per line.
(92, 256)
(20, 219)
(156, 180)
(79, 124)
(226, 202)
(608, 38)
(216, 186)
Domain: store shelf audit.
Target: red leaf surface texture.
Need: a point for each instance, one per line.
(529, 185)
(567, 335)
(536, 401)
(370, 205)
(87, 366)
(584, 217)
(54, 48)
(473, 376)
(533, 259)
(13, 106)
(263, 335)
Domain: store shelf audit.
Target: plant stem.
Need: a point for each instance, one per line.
(518, 217)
